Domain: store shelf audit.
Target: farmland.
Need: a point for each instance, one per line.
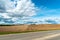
(23, 28)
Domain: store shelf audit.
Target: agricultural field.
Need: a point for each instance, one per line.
(27, 28)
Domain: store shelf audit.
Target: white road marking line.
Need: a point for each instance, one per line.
(47, 37)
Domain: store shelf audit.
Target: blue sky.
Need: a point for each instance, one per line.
(51, 4)
(30, 12)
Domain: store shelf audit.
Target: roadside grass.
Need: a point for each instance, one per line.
(4, 33)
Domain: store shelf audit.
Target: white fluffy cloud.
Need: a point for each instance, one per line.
(16, 10)
(43, 20)
(21, 12)
(23, 8)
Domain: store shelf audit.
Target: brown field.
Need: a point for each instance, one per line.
(23, 28)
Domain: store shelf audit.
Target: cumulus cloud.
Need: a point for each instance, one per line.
(16, 10)
(43, 20)
(23, 8)
(22, 12)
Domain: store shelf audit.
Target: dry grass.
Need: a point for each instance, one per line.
(23, 28)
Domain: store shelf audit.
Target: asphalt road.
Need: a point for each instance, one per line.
(44, 35)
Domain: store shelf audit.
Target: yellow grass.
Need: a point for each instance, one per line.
(23, 28)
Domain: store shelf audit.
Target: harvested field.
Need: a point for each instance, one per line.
(23, 28)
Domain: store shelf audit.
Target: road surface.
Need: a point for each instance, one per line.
(44, 35)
